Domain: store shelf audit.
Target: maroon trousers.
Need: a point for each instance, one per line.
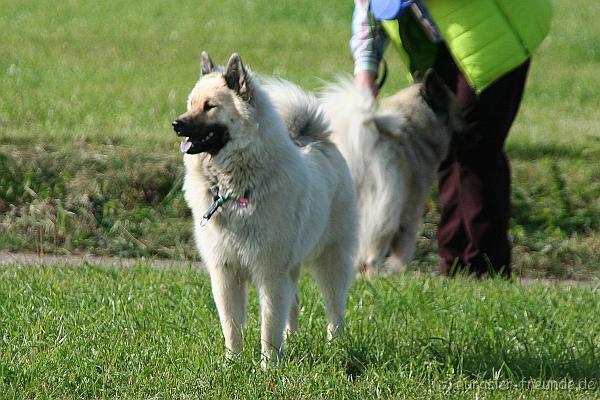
(474, 180)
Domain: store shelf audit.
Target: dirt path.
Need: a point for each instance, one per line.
(9, 258)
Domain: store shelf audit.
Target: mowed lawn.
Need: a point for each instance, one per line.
(88, 90)
(144, 332)
(88, 164)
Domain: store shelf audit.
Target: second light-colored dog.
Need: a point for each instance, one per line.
(393, 153)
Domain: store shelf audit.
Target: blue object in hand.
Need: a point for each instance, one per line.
(389, 9)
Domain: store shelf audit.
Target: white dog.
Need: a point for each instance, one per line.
(269, 193)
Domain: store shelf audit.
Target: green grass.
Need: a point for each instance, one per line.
(145, 332)
(117, 73)
(89, 164)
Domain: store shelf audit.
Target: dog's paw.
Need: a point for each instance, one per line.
(232, 357)
(367, 270)
(271, 359)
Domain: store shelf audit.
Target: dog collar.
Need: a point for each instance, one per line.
(218, 201)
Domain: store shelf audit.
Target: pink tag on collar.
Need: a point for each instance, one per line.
(243, 202)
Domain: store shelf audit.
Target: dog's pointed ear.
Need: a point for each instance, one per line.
(236, 76)
(434, 92)
(206, 64)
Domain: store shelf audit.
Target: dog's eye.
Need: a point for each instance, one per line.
(208, 106)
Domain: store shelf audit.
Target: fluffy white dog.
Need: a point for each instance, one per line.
(269, 193)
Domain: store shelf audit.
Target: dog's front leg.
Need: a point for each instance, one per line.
(275, 291)
(229, 292)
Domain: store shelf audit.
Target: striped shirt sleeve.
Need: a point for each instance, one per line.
(368, 39)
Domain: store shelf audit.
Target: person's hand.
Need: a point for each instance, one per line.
(367, 79)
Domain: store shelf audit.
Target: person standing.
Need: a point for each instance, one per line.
(481, 49)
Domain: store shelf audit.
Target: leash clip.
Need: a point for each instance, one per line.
(218, 201)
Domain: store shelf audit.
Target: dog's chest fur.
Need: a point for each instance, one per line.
(241, 233)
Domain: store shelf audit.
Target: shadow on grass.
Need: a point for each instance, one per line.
(475, 360)
(471, 329)
(557, 200)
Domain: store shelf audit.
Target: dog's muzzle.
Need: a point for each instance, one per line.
(200, 138)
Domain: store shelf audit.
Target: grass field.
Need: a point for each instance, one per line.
(88, 164)
(142, 332)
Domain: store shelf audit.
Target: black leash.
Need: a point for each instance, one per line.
(384, 75)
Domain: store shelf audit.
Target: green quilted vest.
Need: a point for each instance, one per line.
(487, 38)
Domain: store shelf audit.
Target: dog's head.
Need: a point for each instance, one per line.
(217, 108)
(441, 100)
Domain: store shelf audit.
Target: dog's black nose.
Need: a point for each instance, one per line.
(179, 126)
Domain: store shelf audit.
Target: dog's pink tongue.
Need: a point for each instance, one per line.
(185, 145)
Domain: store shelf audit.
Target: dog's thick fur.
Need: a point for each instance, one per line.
(299, 204)
(393, 154)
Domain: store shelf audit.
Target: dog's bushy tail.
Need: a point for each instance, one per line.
(351, 110)
(300, 111)
(344, 97)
